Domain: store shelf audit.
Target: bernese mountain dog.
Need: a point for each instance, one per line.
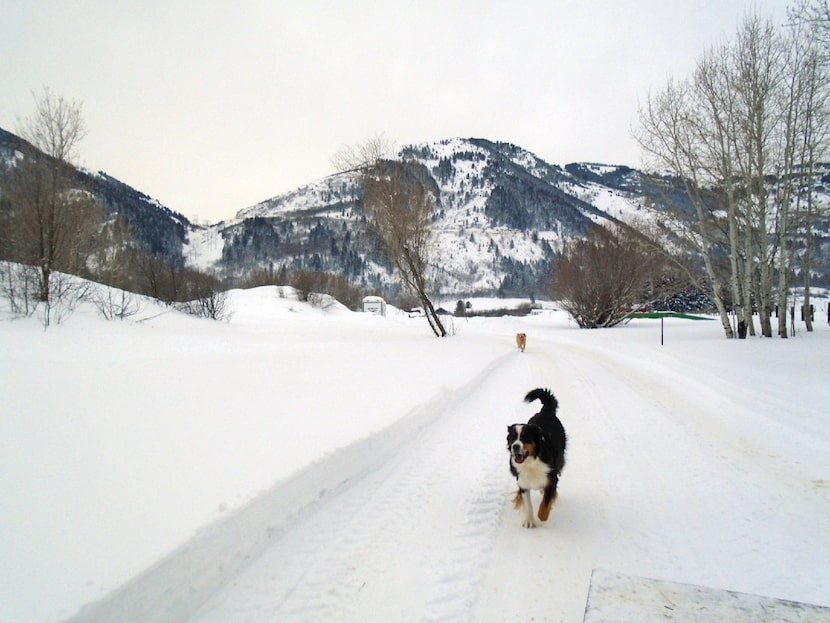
(537, 455)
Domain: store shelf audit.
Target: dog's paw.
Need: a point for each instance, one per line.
(529, 523)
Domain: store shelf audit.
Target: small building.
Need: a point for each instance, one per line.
(374, 305)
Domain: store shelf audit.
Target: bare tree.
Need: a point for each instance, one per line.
(56, 127)
(51, 224)
(759, 79)
(669, 134)
(114, 267)
(735, 133)
(200, 295)
(399, 207)
(815, 14)
(809, 58)
(601, 279)
(19, 286)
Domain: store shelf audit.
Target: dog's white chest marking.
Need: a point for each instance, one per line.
(533, 474)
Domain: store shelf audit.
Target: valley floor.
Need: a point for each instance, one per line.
(702, 461)
(656, 484)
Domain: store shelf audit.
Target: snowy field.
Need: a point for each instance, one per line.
(299, 464)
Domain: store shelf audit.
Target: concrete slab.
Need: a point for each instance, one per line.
(617, 598)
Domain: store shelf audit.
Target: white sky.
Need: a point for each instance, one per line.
(211, 106)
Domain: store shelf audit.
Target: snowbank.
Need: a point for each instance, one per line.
(145, 463)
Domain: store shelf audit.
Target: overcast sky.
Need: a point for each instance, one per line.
(211, 106)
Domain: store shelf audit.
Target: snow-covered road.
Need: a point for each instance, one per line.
(410, 540)
(659, 482)
(322, 465)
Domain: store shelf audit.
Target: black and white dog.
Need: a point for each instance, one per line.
(537, 455)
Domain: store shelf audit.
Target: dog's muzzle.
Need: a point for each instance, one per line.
(518, 452)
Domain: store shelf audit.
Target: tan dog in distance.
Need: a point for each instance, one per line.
(521, 341)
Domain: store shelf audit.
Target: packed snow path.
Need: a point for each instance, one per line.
(319, 463)
(664, 479)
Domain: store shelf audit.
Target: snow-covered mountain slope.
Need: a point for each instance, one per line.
(500, 213)
(153, 226)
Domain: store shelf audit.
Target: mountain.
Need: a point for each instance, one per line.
(159, 229)
(500, 213)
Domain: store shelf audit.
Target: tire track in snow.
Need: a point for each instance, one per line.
(462, 570)
(695, 456)
(543, 574)
(652, 487)
(410, 540)
(620, 457)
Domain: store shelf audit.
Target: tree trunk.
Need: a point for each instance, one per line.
(432, 317)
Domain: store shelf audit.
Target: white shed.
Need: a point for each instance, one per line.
(374, 305)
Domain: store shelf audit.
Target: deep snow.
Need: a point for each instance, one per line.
(301, 464)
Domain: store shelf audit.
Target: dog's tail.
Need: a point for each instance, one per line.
(549, 401)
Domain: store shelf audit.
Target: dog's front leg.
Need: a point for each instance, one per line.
(523, 499)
